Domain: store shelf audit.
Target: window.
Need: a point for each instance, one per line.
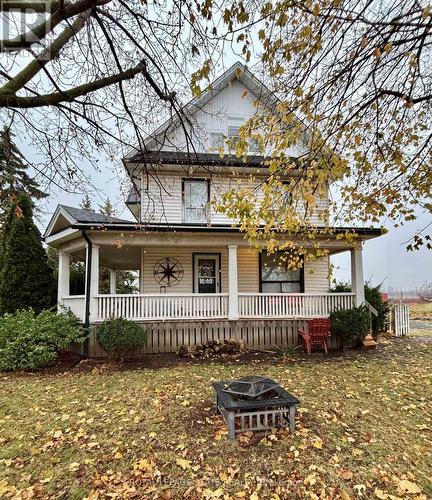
(276, 278)
(234, 125)
(196, 194)
(217, 140)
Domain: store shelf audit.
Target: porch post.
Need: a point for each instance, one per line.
(94, 281)
(357, 278)
(233, 313)
(141, 272)
(113, 281)
(63, 277)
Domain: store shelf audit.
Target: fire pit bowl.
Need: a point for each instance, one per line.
(254, 404)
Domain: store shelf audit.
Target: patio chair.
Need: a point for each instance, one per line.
(317, 332)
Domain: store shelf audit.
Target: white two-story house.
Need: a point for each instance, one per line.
(199, 278)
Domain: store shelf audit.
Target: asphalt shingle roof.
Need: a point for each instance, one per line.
(82, 215)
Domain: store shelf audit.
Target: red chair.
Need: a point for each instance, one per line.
(317, 332)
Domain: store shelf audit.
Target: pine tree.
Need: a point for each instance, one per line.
(107, 208)
(14, 178)
(86, 203)
(26, 279)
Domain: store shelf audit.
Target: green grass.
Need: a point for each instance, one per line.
(364, 429)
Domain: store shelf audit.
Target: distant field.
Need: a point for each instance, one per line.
(420, 310)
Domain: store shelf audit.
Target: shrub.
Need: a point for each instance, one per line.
(30, 341)
(119, 337)
(373, 296)
(350, 325)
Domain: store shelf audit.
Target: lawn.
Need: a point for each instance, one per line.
(421, 310)
(363, 430)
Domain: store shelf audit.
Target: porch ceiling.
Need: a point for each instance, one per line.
(115, 257)
(120, 257)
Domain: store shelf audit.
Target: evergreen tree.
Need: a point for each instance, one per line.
(14, 178)
(86, 203)
(26, 279)
(107, 208)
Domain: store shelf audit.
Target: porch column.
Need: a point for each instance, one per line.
(63, 277)
(141, 272)
(357, 278)
(233, 313)
(94, 280)
(113, 281)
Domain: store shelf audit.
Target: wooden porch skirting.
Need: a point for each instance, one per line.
(168, 336)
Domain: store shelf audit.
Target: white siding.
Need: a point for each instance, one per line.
(247, 260)
(316, 275)
(232, 101)
(162, 197)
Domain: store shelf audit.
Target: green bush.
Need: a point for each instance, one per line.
(350, 326)
(373, 296)
(30, 341)
(119, 337)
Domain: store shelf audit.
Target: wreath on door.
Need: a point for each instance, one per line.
(168, 272)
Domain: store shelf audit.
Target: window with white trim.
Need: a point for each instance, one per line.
(196, 200)
(277, 278)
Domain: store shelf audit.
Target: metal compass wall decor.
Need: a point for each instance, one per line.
(168, 271)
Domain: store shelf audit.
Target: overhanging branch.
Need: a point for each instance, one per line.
(13, 101)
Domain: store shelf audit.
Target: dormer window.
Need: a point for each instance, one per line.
(196, 201)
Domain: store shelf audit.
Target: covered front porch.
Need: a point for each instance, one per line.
(212, 279)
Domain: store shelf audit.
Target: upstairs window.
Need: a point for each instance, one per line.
(277, 278)
(196, 200)
(217, 140)
(234, 125)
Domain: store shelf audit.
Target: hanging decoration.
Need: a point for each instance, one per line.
(168, 272)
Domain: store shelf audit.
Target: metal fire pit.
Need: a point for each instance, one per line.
(254, 404)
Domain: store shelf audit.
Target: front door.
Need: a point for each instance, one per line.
(207, 267)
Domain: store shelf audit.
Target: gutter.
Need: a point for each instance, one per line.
(87, 287)
(205, 228)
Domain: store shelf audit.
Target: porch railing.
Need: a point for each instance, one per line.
(283, 305)
(143, 307)
(76, 303)
(163, 306)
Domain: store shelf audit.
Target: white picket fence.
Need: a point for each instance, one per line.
(400, 319)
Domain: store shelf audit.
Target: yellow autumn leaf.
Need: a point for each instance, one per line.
(240, 494)
(409, 487)
(380, 494)
(223, 476)
(318, 444)
(254, 496)
(184, 464)
(208, 493)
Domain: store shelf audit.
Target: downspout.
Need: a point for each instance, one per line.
(87, 289)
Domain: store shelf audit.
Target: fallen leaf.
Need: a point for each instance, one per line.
(184, 464)
(406, 486)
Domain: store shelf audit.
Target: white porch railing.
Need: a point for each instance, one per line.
(143, 307)
(76, 303)
(162, 306)
(290, 305)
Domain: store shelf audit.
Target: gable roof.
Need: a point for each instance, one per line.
(65, 216)
(237, 71)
